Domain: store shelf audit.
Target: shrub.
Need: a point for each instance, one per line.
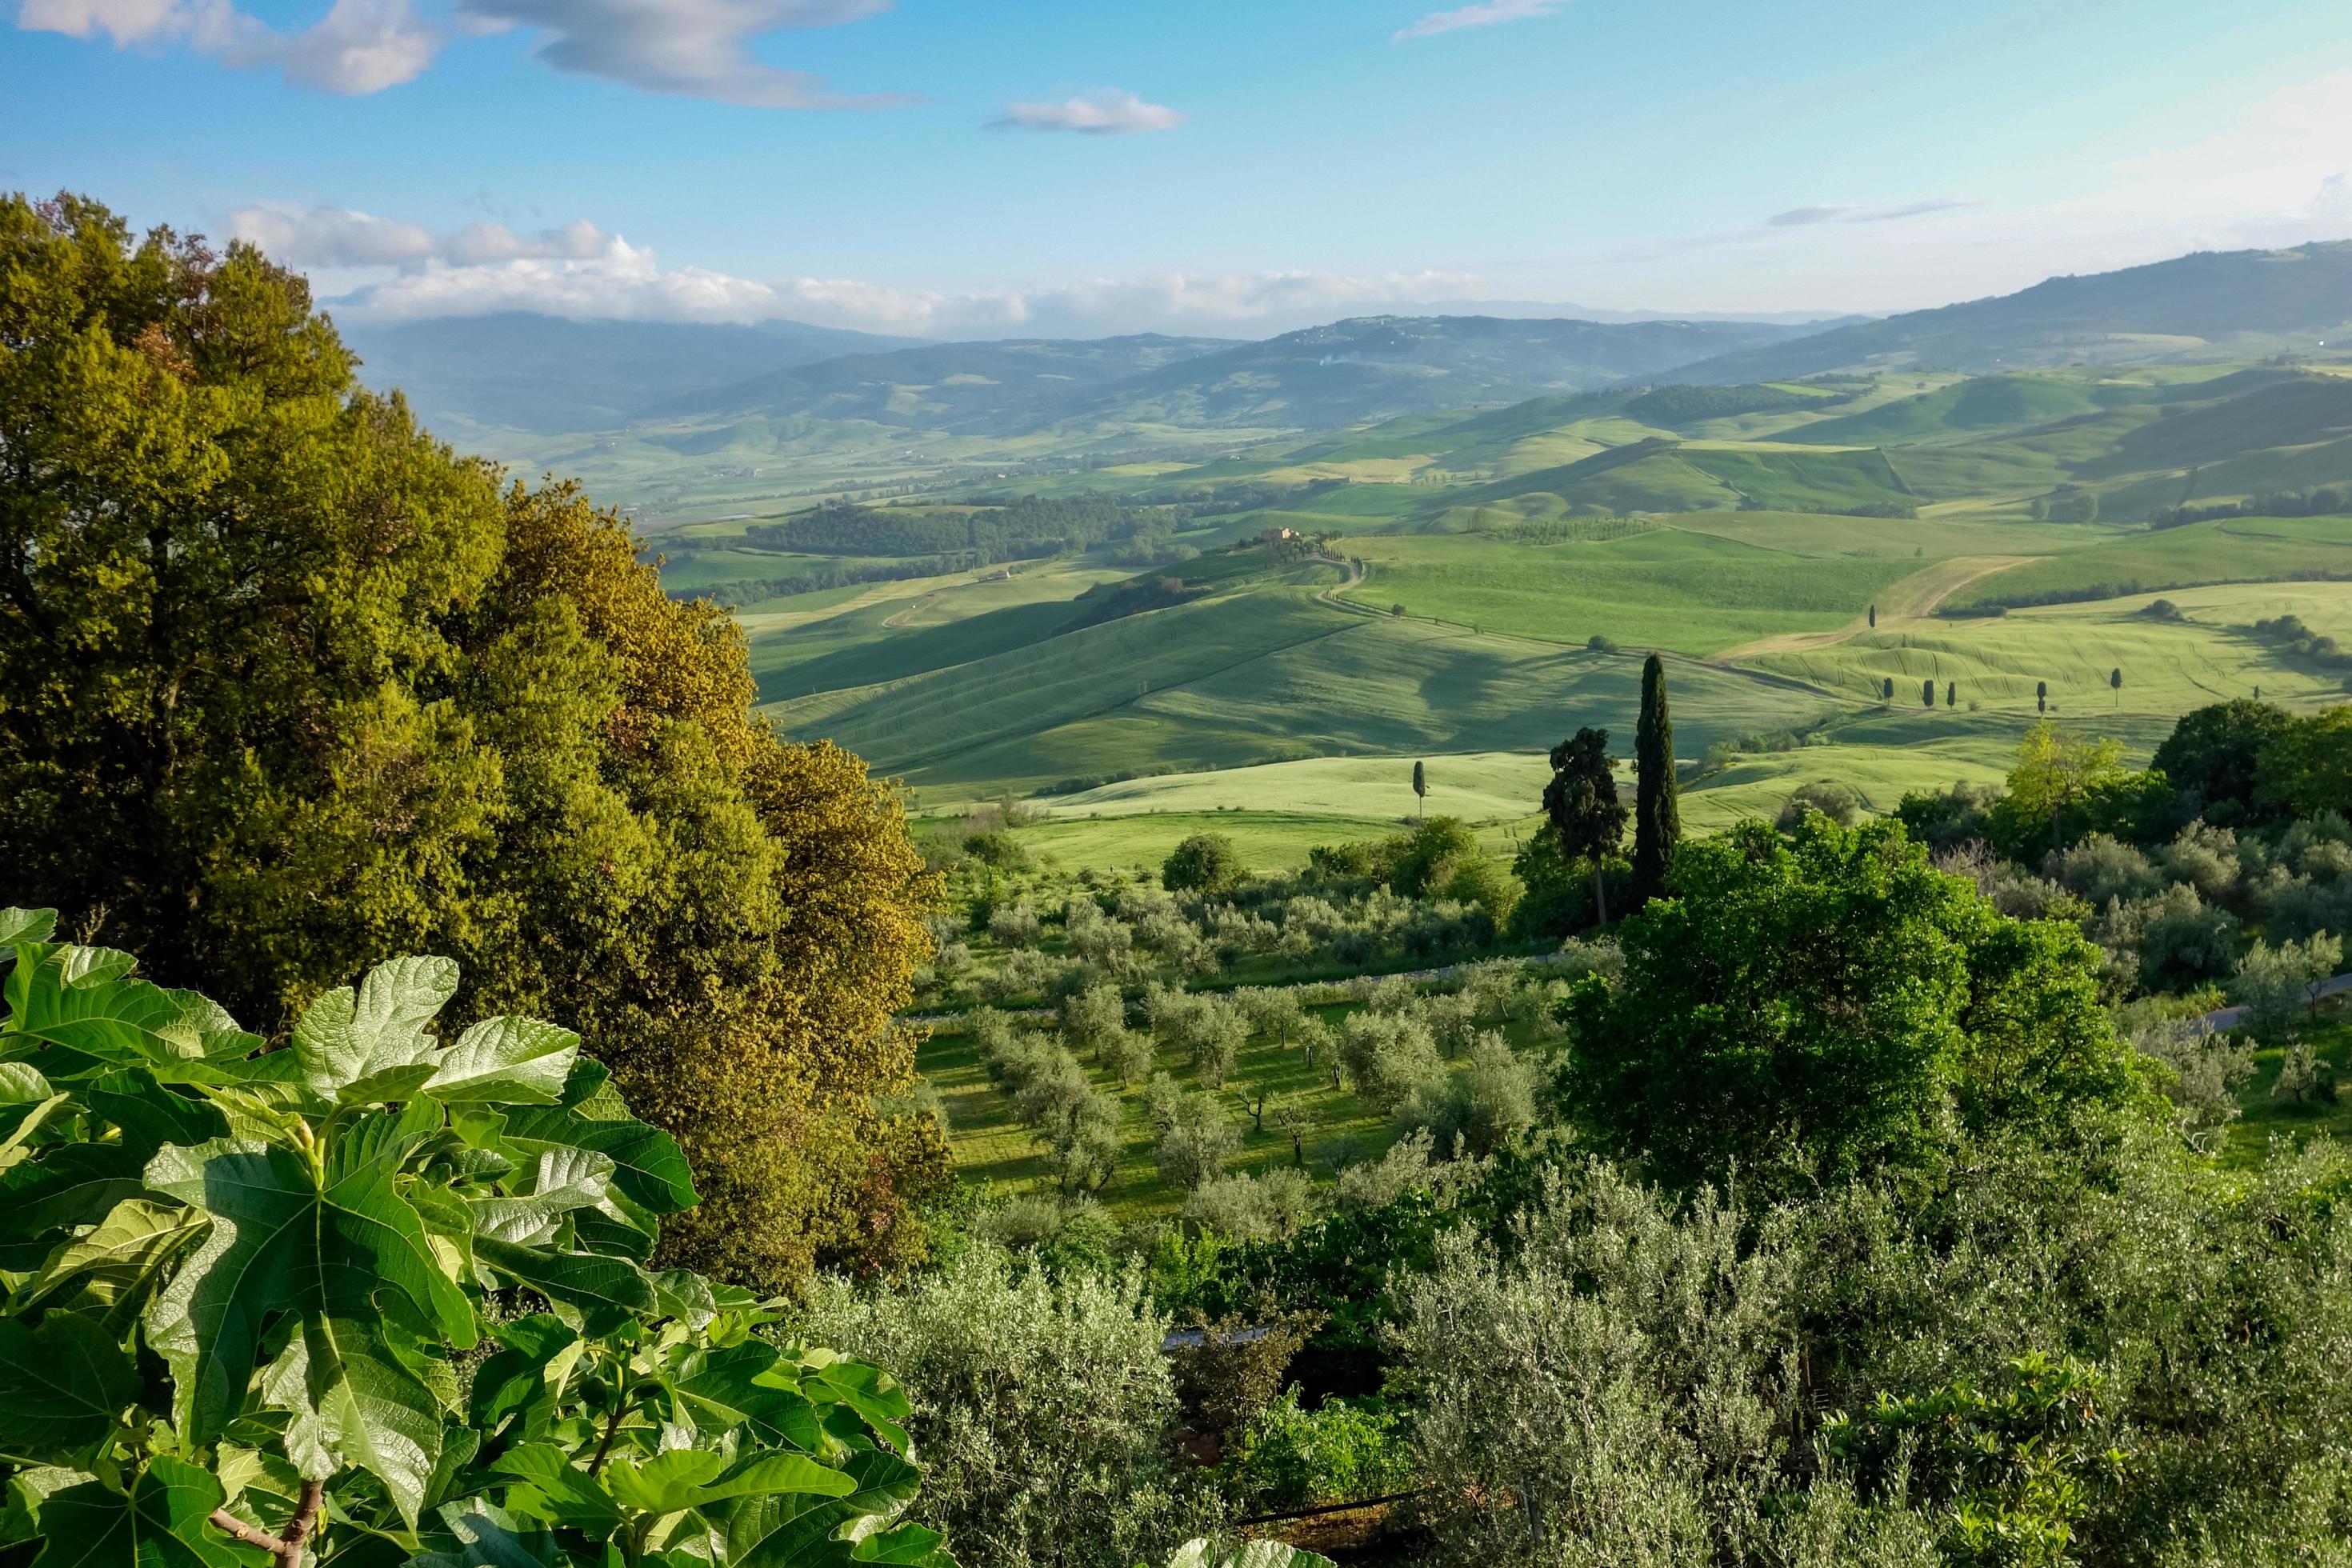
(1195, 1137)
(1015, 925)
(2100, 870)
(1841, 803)
(1387, 1055)
(1291, 1457)
(1041, 1407)
(279, 1264)
(1205, 863)
(1252, 1208)
(1473, 1111)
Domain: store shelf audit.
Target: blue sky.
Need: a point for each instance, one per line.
(958, 167)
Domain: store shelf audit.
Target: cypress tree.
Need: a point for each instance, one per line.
(1928, 692)
(1951, 694)
(1420, 787)
(1657, 806)
(1873, 616)
(2042, 697)
(1886, 691)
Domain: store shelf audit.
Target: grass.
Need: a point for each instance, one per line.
(2231, 550)
(2263, 1117)
(992, 1148)
(2169, 667)
(1675, 589)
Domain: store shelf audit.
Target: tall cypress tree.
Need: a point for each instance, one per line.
(1657, 805)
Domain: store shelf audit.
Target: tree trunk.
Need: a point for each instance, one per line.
(1600, 889)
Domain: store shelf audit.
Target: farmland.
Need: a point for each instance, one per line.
(1494, 576)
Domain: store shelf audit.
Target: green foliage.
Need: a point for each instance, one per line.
(1831, 1003)
(1657, 810)
(2211, 753)
(2308, 768)
(1290, 1457)
(1622, 1376)
(290, 687)
(1205, 863)
(1042, 1404)
(1580, 802)
(270, 1300)
(2013, 1471)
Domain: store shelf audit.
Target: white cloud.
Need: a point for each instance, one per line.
(399, 271)
(1104, 113)
(627, 284)
(125, 21)
(1483, 14)
(692, 48)
(1850, 212)
(332, 236)
(359, 47)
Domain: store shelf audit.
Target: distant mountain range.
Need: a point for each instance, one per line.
(991, 387)
(1370, 368)
(2212, 305)
(547, 375)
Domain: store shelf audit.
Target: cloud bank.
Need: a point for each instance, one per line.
(405, 272)
(1107, 113)
(359, 47)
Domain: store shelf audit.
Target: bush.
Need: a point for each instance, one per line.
(1834, 1004)
(1205, 863)
(1252, 1208)
(1290, 1457)
(1387, 1057)
(1015, 925)
(1196, 1139)
(1041, 1407)
(1473, 1111)
(2101, 870)
(1841, 803)
(278, 1264)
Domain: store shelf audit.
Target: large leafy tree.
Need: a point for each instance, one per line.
(2307, 769)
(287, 685)
(247, 1302)
(1657, 801)
(1828, 1002)
(2212, 755)
(1581, 805)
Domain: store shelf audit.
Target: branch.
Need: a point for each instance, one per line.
(251, 1536)
(612, 1427)
(286, 1548)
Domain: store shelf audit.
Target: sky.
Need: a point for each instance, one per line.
(988, 168)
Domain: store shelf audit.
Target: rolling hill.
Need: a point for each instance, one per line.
(547, 374)
(1377, 367)
(2212, 305)
(997, 387)
(1345, 373)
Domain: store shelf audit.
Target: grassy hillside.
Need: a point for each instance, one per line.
(1689, 591)
(2233, 550)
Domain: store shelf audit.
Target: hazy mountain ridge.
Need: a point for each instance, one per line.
(992, 386)
(551, 374)
(2211, 304)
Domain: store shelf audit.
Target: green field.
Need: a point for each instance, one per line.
(1672, 589)
(2234, 550)
(2169, 666)
(1284, 703)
